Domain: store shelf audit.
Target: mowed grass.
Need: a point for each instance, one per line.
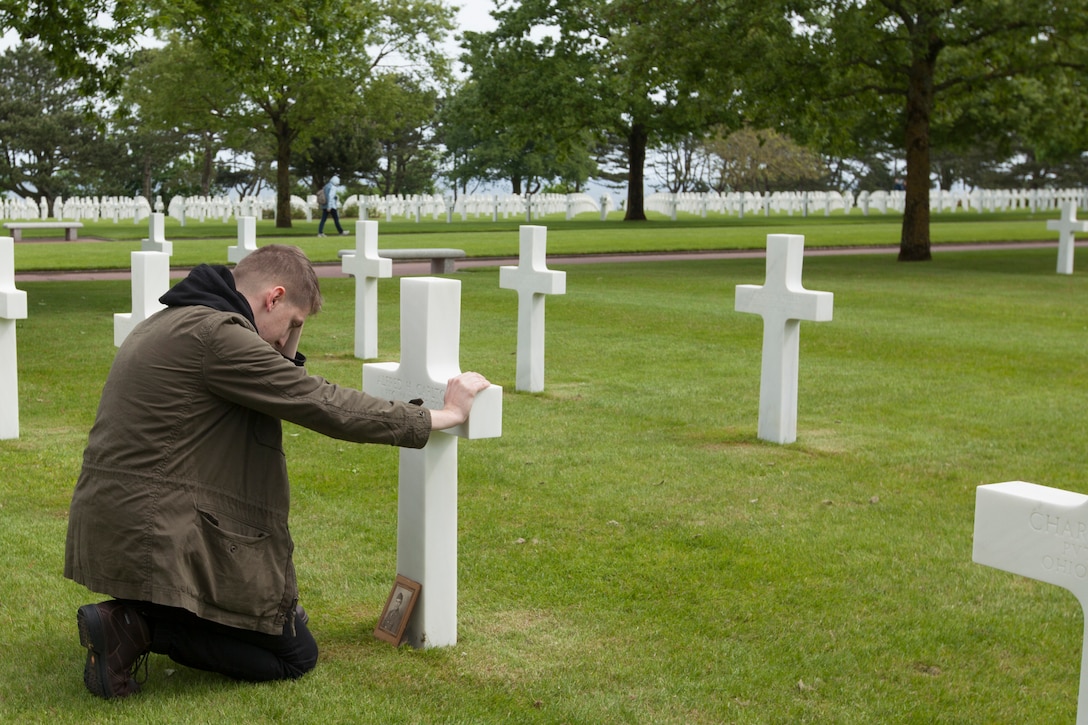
(108, 244)
(629, 551)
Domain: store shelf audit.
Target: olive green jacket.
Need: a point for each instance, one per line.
(183, 497)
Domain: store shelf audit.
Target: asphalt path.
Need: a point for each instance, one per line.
(403, 269)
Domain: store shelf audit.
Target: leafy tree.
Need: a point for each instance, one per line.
(521, 116)
(248, 169)
(347, 149)
(166, 110)
(682, 165)
(75, 38)
(296, 65)
(762, 161)
(649, 73)
(403, 115)
(916, 67)
(47, 134)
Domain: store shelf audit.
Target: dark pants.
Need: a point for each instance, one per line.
(237, 653)
(325, 214)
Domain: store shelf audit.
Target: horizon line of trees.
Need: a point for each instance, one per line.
(703, 96)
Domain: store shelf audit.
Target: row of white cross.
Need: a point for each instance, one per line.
(1020, 527)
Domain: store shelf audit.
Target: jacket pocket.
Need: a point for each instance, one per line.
(238, 567)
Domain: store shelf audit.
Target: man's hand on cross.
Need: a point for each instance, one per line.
(461, 390)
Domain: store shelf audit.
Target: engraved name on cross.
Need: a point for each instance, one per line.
(367, 267)
(782, 302)
(532, 280)
(430, 329)
(1041, 533)
(12, 308)
(1066, 226)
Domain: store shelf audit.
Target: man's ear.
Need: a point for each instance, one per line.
(273, 296)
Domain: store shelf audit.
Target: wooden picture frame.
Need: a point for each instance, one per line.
(398, 610)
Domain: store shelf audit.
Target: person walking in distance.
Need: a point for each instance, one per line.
(329, 208)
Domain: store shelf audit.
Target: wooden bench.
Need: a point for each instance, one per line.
(71, 229)
(442, 260)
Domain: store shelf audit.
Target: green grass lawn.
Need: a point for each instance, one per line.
(629, 551)
(107, 245)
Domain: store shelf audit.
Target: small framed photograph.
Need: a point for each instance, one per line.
(398, 610)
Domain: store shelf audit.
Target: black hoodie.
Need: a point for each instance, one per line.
(209, 286)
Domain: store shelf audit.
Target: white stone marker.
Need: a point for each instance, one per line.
(1067, 226)
(430, 331)
(367, 267)
(150, 281)
(156, 241)
(12, 308)
(532, 280)
(247, 240)
(783, 303)
(1041, 533)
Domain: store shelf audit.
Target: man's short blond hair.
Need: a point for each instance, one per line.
(287, 266)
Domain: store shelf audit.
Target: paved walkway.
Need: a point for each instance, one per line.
(333, 269)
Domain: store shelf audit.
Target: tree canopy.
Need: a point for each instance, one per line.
(912, 68)
(560, 92)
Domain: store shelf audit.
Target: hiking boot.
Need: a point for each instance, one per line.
(117, 641)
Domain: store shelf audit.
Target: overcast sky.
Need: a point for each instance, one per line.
(475, 14)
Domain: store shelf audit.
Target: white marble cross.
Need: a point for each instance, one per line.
(532, 280)
(367, 267)
(150, 281)
(782, 302)
(156, 241)
(430, 331)
(247, 240)
(1041, 533)
(1067, 226)
(12, 308)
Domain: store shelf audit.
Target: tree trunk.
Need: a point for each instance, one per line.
(283, 176)
(914, 239)
(636, 173)
(208, 170)
(147, 178)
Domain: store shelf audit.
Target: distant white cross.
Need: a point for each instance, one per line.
(532, 280)
(12, 308)
(1041, 533)
(430, 330)
(150, 281)
(1067, 226)
(367, 267)
(247, 240)
(156, 239)
(782, 302)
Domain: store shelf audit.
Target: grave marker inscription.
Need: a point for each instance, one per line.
(1041, 533)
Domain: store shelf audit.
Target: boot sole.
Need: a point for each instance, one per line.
(92, 635)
